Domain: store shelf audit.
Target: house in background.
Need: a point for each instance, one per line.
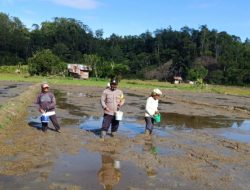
(177, 80)
(79, 71)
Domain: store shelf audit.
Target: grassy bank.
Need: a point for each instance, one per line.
(15, 108)
(242, 91)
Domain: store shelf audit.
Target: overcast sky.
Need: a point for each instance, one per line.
(133, 17)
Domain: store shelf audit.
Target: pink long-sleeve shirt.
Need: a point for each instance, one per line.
(112, 100)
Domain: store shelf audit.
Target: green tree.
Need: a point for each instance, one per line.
(93, 60)
(120, 70)
(216, 77)
(45, 63)
(197, 73)
(14, 40)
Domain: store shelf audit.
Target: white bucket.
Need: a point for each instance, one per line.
(117, 164)
(50, 113)
(118, 115)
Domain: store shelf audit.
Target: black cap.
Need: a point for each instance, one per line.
(113, 81)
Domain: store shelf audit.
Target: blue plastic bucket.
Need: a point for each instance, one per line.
(44, 118)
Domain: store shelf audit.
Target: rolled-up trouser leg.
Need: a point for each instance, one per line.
(149, 124)
(107, 119)
(53, 118)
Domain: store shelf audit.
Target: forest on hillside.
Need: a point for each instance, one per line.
(216, 57)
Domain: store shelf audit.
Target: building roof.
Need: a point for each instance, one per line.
(73, 66)
(177, 78)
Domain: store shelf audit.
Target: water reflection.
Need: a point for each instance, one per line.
(240, 132)
(63, 104)
(109, 175)
(244, 125)
(149, 146)
(178, 121)
(237, 136)
(191, 121)
(129, 127)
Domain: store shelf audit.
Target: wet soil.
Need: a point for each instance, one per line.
(10, 89)
(202, 142)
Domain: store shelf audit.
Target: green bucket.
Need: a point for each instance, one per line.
(157, 118)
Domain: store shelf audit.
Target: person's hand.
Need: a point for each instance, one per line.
(118, 106)
(42, 111)
(106, 109)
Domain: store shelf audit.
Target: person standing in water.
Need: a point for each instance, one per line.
(111, 101)
(151, 110)
(47, 103)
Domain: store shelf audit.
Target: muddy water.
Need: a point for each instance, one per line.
(97, 171)
(185, 152)
(132, 126)
(238, 129)
(197, 122)
(86, 170)
(11, 89)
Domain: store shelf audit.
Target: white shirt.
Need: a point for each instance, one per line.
(151, 107)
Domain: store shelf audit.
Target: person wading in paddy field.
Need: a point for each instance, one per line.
(111, 100)
(47, 103)
(151, 110)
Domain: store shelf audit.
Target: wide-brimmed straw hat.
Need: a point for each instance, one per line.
(156, 91)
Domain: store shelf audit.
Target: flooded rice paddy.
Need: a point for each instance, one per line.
(193, 147)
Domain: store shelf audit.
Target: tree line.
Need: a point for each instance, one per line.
(216, 57)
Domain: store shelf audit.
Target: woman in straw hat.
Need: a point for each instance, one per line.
(47, 103)
(151, 110)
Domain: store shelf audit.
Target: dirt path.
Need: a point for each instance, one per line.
(174, 158)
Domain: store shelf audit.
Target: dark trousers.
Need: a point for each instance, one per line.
(53, 119)
(149, 124)
(109, 120)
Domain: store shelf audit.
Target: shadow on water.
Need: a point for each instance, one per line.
(35, 122)
(92, 125)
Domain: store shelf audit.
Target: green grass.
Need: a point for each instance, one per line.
(125, 83)
(11, 69)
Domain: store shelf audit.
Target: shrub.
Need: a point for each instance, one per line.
(46, 63)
